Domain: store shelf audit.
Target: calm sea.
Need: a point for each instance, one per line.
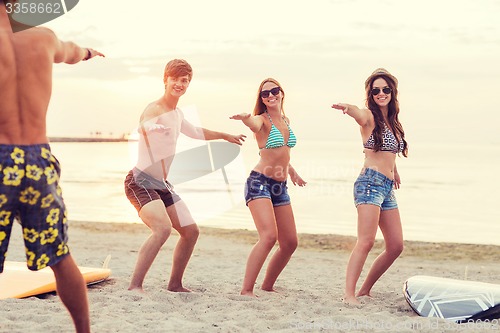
(448, 193)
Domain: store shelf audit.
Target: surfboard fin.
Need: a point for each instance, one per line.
(106, 261)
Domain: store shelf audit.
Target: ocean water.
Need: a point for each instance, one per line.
(448, 193)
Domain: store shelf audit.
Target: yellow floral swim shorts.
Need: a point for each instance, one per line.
(30, 192)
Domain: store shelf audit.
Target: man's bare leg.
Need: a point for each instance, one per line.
(180, 215)
(154, 215)
(72, 290)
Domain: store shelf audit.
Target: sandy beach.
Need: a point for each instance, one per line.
(310, 288)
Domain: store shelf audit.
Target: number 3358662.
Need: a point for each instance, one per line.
(33, 8)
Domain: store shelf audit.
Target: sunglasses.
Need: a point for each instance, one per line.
(265, 93)
(385, 90)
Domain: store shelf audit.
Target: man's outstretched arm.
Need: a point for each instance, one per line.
(71, 53)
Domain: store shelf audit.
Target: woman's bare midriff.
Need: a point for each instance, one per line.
(381, 161)
(274, 162)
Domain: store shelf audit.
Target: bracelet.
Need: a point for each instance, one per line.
(89, 54)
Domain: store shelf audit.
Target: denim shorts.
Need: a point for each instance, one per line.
(374, 188)
(260, 186)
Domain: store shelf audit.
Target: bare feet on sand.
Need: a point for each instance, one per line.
(270, 290)
(178, 289)
(361, 294)
(137, 290)
(248, 293)
(351, 300)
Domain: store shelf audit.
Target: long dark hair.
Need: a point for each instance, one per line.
(392, 115)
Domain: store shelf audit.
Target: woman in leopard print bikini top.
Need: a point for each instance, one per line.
(389, 142)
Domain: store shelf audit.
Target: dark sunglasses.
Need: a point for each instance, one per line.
(385, 90)
(265, 93)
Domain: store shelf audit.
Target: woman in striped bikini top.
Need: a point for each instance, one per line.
(276, 140)
(266, 187)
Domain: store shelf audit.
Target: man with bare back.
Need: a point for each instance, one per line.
(29, 173)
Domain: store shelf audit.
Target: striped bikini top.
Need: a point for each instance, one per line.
(275, 139)
(389, 142)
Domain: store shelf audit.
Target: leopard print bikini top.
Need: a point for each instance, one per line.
(389, 142)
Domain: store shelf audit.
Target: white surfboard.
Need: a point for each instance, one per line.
(457, 300)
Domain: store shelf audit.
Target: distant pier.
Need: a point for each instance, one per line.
(83, 139)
